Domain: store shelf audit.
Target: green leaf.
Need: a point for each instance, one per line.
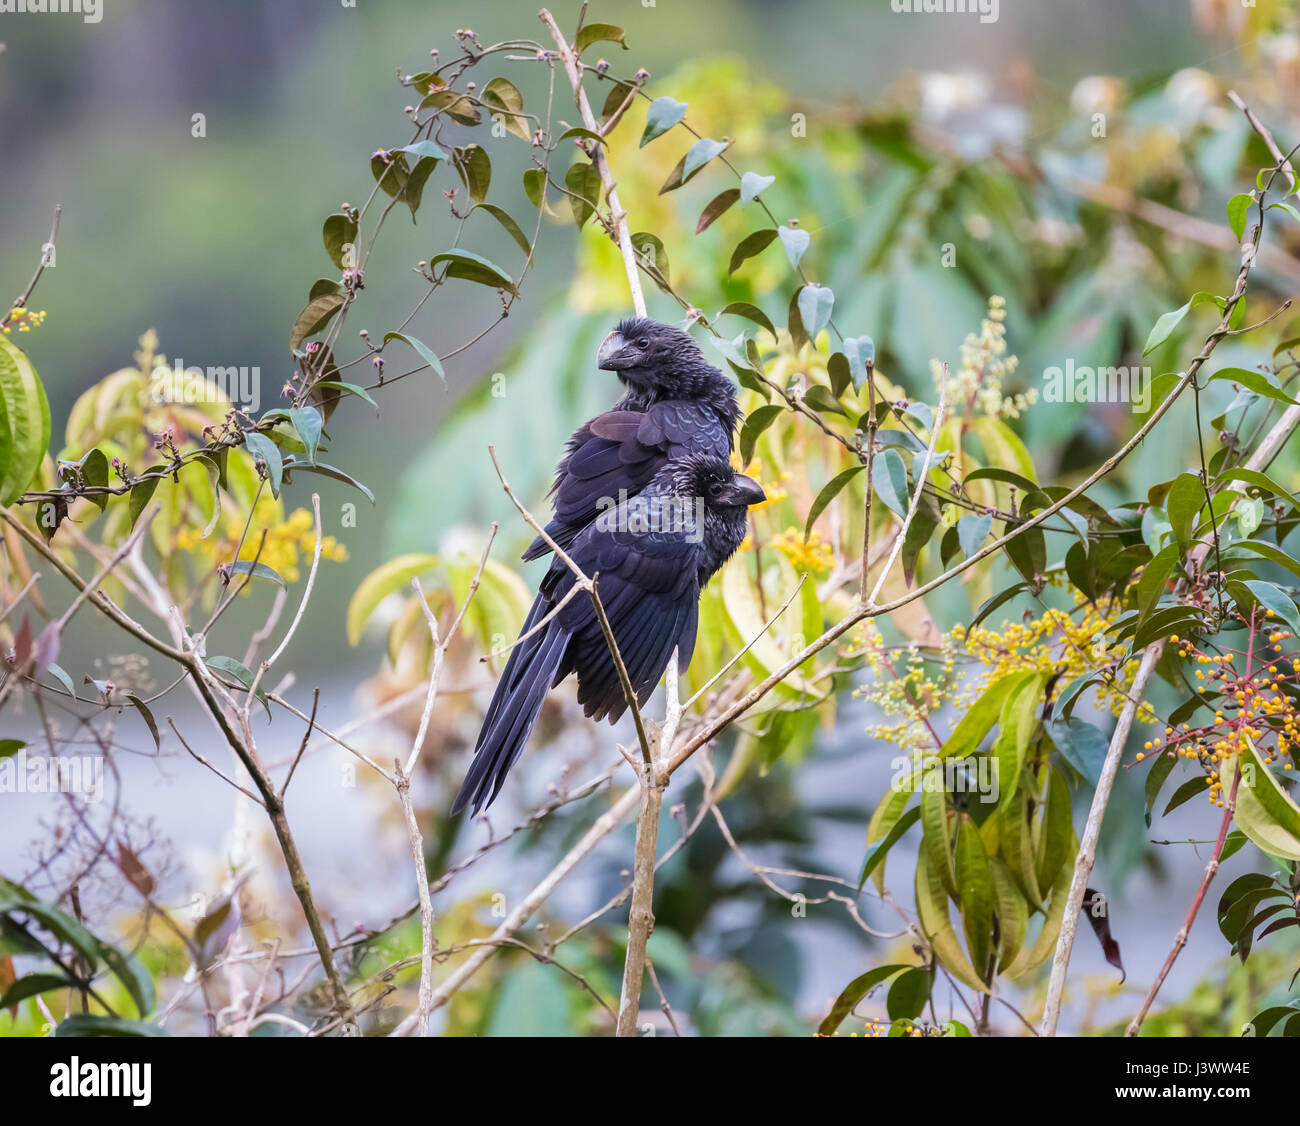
(908, 994)
(535, 189)
(662, 115)
(467, 266)
(1011, 910)
(597, 33)
(1255, 381)
(752, 244)
(815, 305)
(63, 926)
(257, 570)
(89, 1024)
(1057, 831)
(511, 227)
(347, 389)
(860, 351)
(974, 893)
(93, 468)
(932, 914)
(421, 349)
(456, 106)
(829, 492)
(699, 154)
(1273, 597)
(323, 470)
(502, 96)
(750, 313)
(1155, 578)
(853, 993)
(583, 182)
(1186, 499)
(422, 149)
(130, 971)
(1082, 745)
(236, 670)
(31, 986)
(796, 241)
(322, 286)
(877, 854)
(972, 530)
(798, 336)
(140, 495)
(579, 133)
(936, 835)
(413, 193)
(379, 584)
(316, 314)
(1016, 722)
(1238, 207)
(26, 417)
(759, 420)
(653, 256)
(1188, 790)
(978, 720)
(307, 421)
(340, 237)
(265, 450)
(1165, 326)
(752, 184)
(1160, 770)
(475, 168)
(63, 678)
(889, 481)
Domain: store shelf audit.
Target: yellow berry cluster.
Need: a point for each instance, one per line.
(906, 686)
(24, 320)
(811, 555)
(1055, 642)
(1256, 707)
(881, 1028)
(286, 541)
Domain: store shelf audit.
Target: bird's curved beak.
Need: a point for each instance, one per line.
(745, 491)
(610, 355)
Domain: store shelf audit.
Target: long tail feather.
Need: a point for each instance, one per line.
(515, 706)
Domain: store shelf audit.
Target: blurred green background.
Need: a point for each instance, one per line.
(213, 241)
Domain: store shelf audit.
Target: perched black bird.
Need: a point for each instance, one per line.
(652, 554)
(676, 402)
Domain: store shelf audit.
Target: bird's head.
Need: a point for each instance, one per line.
(648, 354)
(714, 481)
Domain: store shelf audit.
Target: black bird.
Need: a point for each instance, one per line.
(653, 553)
(676, 402)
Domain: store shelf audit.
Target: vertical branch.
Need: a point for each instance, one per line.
(1180, 940)
(596, 151)
(1088, 844)
(1101, 797)
(641, 919)
(869, 446)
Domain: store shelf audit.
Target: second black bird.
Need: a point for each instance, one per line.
(652, 554)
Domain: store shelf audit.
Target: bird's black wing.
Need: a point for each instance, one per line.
(617, 453)
(649, 589)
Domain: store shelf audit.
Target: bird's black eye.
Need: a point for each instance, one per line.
(643, 343)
